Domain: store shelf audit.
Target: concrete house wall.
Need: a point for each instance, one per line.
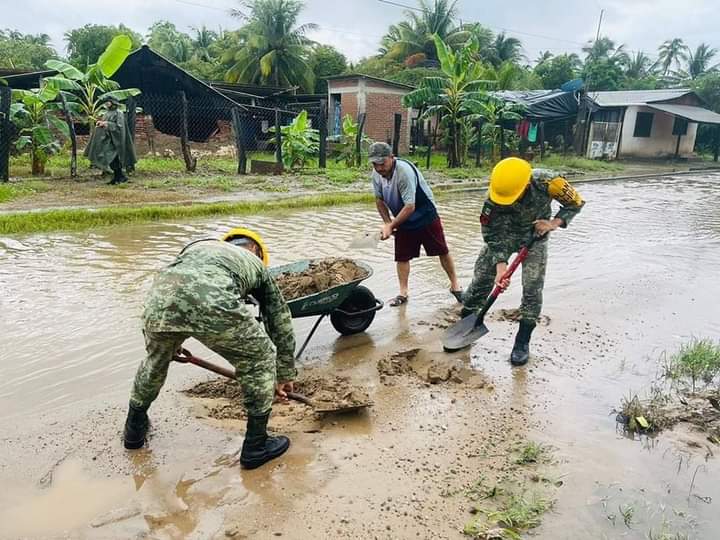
(661, 143)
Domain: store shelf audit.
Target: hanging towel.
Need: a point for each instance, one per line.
(532, 132)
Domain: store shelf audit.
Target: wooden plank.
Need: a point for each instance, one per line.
(239, 146)
(73, 137)
(190, 161)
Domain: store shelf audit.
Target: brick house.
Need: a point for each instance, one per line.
(377, 98)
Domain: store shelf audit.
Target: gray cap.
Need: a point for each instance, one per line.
(379, 151)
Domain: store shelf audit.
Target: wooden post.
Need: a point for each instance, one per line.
(358, 139)
(190, 161)
(478, 127)
(396, 134)
(131, 108)
(677, 147)
(581, 121)
(73, 137)
(278, 138)
(323, 129)
(432, 140)
(716, 149)
(5, 98)
(541, 134)
(502, 137)
(237, 129)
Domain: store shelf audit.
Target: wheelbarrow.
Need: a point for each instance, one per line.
(351, 306)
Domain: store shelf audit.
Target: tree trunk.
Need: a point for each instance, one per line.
(38, 165)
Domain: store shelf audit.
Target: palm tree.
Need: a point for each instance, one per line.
(202, 41)
(273, 49)
(505, 49)
(672, 52)
(414, 37)
(605, 48)
(699, 61)
(543, 57)
(639, 66)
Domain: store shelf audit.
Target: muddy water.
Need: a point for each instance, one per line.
(634, 276)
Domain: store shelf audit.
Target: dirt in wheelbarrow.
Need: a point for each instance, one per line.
(222, 398)
(321, 275)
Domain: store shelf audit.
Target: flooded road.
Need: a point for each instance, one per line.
(635, 275)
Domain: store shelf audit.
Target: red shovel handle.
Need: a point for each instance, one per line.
(186, 357)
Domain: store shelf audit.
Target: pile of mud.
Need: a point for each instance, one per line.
(326, 393)
(319, 276)
(427, 369)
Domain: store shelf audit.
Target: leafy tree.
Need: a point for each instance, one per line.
(34, 112)
(455, 96)
(672, 52)
(504, 49)
(494, 111)
(326, 61)
(300, 142)
(377, 66)
(544, 56)
(86, 44)
(273, 50)
(414, 76)
(165, 39)
(202, 43)
(24, 51)
(603, 74)
(347, 145)
(412, 40)
(555, 71)
(708, 88)
(639, 66)
(699, 61)
(604, 48)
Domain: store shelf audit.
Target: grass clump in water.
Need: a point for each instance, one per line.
(516, 514)
(532, 452)
(82, 219)
(695, 362)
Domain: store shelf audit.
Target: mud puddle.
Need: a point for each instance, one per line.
(319, 276)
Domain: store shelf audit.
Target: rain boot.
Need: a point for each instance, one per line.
(136, 427)
(259, 448)
(521, 351)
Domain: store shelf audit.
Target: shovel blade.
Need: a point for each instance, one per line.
(464, 333)
(365, 240)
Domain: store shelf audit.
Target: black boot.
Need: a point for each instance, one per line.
(259, 448)
(521, 351)
(136, 427)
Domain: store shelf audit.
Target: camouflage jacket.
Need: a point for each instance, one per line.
(204, 290)
(506, 228)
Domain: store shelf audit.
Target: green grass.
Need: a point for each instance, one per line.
(695, 362)
(11, 191)
(532, 452)
(517, 513)
(81, 219)
(578, 164)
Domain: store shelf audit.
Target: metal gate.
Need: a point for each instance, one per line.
(603, 141)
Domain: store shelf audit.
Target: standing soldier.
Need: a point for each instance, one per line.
(202, 294)
(518, 202)
(111, 146)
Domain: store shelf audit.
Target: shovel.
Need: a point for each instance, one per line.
(468, 330)
(186, 357)
(365, 240)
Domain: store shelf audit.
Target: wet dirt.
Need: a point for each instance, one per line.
(427, 368)
(327, 393)
(320, 276)
(417, 464)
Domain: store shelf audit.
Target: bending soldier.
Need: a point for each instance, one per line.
(519, 200)
(202, 294)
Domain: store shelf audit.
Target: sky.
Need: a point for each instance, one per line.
(356, 26)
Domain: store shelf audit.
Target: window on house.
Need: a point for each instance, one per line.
(643, 124)
(680, 126)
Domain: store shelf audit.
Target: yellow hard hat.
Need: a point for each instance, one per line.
(240, 232)
(508, 180)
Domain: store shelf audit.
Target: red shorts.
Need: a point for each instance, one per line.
(431, 237)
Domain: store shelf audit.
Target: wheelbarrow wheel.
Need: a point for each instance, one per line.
(360, 299)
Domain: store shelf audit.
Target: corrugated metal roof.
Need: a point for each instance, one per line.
(370, 78)
(694, 114)
(623, 98)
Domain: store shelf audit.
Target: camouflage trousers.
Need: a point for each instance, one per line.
(533, 281)
(247, 347)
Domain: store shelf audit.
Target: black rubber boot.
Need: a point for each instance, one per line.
(136, 427)
(259, 448)
(521, 351)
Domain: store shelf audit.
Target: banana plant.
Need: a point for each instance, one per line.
(34, 112)
(300, 142)
(89, 91)
(347, 150)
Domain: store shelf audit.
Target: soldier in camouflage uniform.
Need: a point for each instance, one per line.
(518, 203)
(202, 294)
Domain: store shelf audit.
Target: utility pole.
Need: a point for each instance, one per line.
(597, 35)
